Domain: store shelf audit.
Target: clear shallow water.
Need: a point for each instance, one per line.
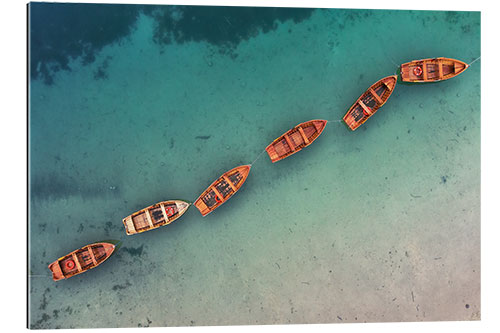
(380, 224)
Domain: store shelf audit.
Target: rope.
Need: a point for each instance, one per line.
(475, 60)
(393, 62)
(257, 157)
(396, 72)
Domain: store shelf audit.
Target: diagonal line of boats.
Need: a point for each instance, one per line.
(289, 143)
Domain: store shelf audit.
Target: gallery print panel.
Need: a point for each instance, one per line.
(154, 199)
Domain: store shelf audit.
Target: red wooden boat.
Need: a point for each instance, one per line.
(295, 139)
(371, 100)
(81, 260)
(432, 69)
(222, 189)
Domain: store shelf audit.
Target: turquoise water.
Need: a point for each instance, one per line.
(381, 224)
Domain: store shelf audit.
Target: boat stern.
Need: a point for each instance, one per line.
(129, 225)
(405, 72)
(273, 155)
(57, 273)
(202, 207)
(350, 121)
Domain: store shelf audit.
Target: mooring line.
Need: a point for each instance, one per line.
(475, 60)
(392, 60)
(36, 275)
(396, 72)
(257, 157)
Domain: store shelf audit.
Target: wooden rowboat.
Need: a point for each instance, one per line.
(432, 69)
(295, 139)
(222, 189)
(371, 100)
(81, 260)
(155, 216)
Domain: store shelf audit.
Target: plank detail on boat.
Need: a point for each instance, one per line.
(71, 264)
(91, 253)
(155, 216)
(370, 101)
(295, 139)
(76, 261)
(376, 96)
(432, 69)
(165, 215)
(304, 136)
(289, 142)
(222, 189)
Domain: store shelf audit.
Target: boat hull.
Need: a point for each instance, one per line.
(222, 189)
(155, 216)
(81, 260)
(295, 139)
(432, 69)
(371, 100)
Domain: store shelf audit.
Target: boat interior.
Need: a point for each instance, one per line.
(82, 260)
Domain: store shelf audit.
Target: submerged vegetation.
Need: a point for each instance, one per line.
(60, 31)
(82, 30)
(224, 27)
